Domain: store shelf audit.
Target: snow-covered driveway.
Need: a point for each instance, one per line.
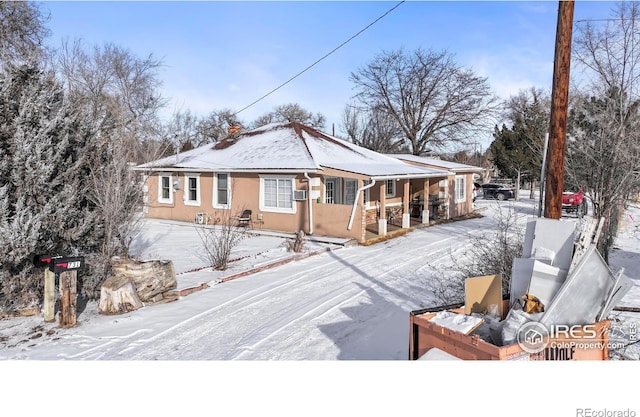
(350, 303)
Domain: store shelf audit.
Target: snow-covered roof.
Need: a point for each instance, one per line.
(289, 147)
(451, 166)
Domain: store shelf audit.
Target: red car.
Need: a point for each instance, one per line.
(574, 202)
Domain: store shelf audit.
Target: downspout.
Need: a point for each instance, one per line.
(306, 175)
(355, 203)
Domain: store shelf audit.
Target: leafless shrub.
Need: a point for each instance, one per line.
(296, 245)
(219, 239)
(488, 253)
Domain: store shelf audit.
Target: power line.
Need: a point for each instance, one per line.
(325, 56)
(602, 20)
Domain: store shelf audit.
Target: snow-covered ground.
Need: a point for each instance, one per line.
(289, 325)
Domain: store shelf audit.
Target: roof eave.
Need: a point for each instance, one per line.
(242, 170)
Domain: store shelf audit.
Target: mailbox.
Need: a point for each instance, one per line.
(43, 261)
(63, 264)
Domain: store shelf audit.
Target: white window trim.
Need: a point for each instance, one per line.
(367, 196)
(261, 203)
(390, 193)
(165, 200)
(215, 191)
(186, 193)
(461, 191)
(337, 190)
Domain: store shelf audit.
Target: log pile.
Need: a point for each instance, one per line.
(137, 282)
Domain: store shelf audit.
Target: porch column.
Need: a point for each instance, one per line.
(382, 222)
(425, 202)
(448, 196)
(406, 216)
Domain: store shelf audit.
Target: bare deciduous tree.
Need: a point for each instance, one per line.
(291, 112)
(22, 30)
(604, 145)
(434, 101)
(120, 93)
(214, 126)
(373, 129)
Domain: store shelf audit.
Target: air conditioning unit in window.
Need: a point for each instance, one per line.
(299, 195)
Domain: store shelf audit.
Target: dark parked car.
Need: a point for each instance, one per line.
(499, 191)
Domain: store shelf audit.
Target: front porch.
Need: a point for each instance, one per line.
(393, 230)
(373, 231)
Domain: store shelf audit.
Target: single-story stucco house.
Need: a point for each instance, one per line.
(293, 177)
(456, 190)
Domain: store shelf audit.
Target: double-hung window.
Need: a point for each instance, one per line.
(222, 190)
(192, 189)
(276, 194)
(165, 191)
(350, 188)
(391, 189)
(461, 189)
(367, 194)
(332, 190)
(339, 190)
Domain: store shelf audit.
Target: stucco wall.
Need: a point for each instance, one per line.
(329, 219)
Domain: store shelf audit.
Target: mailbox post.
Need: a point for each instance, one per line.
(48, 306)
(67, 268)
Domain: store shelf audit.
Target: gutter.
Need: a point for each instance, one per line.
(357, 199)
(310, 203)
(384, 178)
(410, 176)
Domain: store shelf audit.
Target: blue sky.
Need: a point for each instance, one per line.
(220, 55)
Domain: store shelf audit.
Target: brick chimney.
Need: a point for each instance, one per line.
(234, 129)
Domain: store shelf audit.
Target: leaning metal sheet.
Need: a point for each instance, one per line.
(556, 236)
(529, 234)
(583, 295)
(546, 281)
(622, 287)
(521, 272)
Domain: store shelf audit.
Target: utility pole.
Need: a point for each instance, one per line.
(543, 173)
(554, 181)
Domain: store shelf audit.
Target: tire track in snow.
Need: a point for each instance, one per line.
(333, 304)
(122, 344)
(303, 280)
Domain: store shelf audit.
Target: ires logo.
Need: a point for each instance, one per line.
(534, 337)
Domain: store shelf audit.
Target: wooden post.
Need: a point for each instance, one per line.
(382, 221)
(49, 295)
(554, 182)
(69, 286)
(406, 216)
(425, 201)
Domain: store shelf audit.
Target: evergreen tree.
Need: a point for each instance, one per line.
(518, 151)
(42, 187)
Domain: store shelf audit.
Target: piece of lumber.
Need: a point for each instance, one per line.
(627, 309)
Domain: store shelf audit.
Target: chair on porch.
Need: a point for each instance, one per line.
(394, 216)
(244, 220)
